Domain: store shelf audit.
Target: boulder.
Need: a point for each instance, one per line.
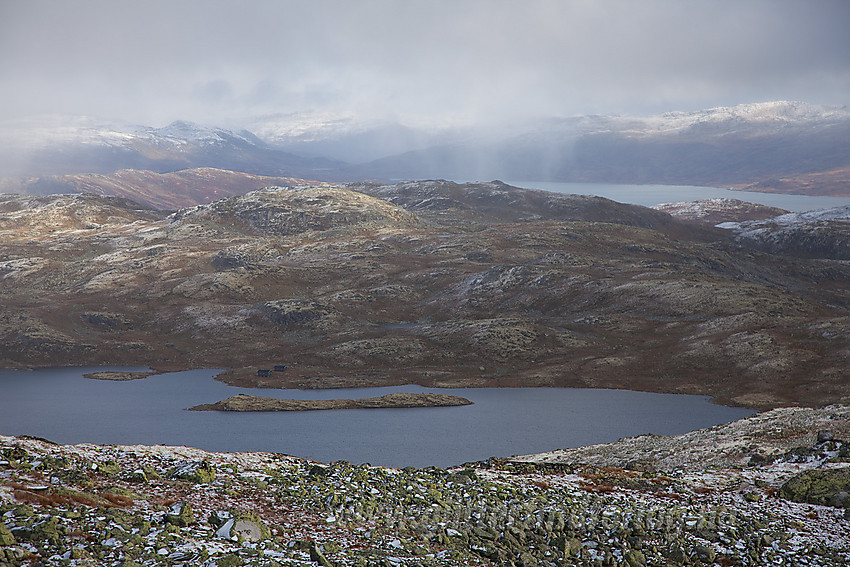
(6, 537)
(824, 487)
(201, 472)
(245, 527)
(317, 556)
(180, 515)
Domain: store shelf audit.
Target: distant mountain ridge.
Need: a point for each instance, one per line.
(718, 147)
(789, 147)
(74, 145)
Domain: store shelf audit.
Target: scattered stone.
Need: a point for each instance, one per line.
(488, 513)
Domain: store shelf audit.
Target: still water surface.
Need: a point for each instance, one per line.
(60, 405)
(651, 195)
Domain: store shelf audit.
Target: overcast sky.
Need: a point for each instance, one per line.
(430, 61)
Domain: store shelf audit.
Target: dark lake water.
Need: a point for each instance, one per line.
(650, 195)
(60, 405)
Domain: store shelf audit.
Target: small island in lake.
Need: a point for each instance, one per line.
(118, 376)
(243, 402)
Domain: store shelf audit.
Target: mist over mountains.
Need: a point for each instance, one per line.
(762, 146)
(73, 145)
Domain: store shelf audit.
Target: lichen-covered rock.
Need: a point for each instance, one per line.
(180, 514)
(635, 559)
(829, 487)
(6, 537)
(201, 472)
(244, 527)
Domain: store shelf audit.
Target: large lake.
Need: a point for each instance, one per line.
(650, 195)
(61, 405)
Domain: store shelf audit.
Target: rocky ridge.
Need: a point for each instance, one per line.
(69, 212)
(137, 505)
(179, 189)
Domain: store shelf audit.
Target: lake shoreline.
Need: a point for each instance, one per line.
(501, 421)
(313, 378)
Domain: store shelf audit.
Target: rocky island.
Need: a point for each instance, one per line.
(242, 402)
(118, 376)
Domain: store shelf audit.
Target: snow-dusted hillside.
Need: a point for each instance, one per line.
(714, 211)
(753, 116)
(821, 234)
(776, 114)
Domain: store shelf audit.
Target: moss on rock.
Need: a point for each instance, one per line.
(823, 487)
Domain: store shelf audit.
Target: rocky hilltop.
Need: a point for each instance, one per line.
(433, 283)
(292, 211)
(776, 495)
(39, 215)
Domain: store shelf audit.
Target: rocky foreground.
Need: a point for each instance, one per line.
(243, 402)
(140, 505)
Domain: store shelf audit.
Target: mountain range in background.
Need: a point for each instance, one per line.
(787, 147)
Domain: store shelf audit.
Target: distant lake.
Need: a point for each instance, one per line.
(60, 405)
(651, 195)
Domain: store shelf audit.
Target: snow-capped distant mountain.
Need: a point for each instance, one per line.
(724, 146)
(761, 115)
(768, 145)
(755, 115)
(69, 145)
(54, 130)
